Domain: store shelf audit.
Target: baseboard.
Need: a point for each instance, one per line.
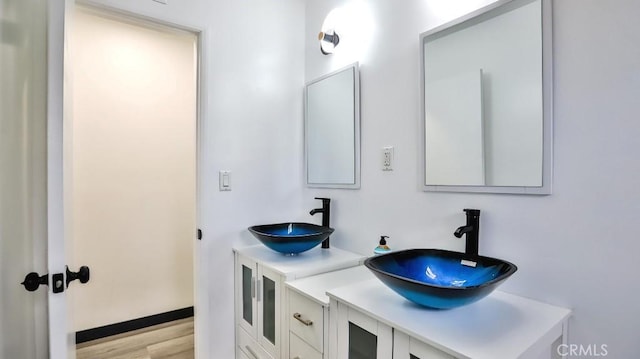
(134, 324)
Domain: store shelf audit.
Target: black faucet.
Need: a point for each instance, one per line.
(326, 213)
(471, 230)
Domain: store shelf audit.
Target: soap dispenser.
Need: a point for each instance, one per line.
(382, 247)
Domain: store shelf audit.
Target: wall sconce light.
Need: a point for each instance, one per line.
(329, 39)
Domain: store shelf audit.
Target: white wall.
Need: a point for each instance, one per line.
(254, 128)
(252, 125)
(134, 168)
(575, 248)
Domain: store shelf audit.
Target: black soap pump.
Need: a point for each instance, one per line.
(382, 247)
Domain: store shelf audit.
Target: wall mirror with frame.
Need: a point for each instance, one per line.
(332, 130)
(486, 101)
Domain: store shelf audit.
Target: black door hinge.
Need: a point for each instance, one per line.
(199, 234)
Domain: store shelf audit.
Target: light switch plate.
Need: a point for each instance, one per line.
(224, 180)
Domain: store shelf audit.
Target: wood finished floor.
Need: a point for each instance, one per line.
(173, 340)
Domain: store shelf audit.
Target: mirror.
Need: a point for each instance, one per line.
(486, 101)
(332, 130)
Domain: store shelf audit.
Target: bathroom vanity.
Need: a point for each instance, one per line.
(322, 304)
(369, 315)
(262, 322)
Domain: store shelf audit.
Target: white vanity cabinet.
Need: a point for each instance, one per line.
(261, 307)
(309, 314)
(501, 325)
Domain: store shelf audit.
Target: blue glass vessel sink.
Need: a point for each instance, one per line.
(291, 238)
(438, 278)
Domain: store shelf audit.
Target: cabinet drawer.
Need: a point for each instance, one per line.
(298, 349)
(250, 348)
(306, 320)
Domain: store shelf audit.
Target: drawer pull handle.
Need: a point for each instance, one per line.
(252, 352)
(306, 322)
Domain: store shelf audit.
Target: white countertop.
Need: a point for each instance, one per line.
(500, 325)
(315, 260)
(316, 287)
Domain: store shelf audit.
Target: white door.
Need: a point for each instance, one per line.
(31, 220)
(34, 107)
(23, 217)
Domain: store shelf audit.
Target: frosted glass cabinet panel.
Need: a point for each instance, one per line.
(362, 344)
(247, 295)
(269, 310)
(247, 271)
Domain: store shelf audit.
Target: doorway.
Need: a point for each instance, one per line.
(132, 156)
(33, 39)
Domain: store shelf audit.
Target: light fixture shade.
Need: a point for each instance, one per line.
(329, 39)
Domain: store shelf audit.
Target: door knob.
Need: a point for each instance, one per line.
(83, 274)
(33, 281)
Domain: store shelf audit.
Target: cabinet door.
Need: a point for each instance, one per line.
(269, 302)
(362, 337)
(247, 308)
(406, 347)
